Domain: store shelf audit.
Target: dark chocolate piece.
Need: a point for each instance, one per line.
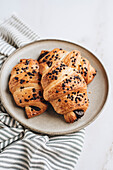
(42, 55)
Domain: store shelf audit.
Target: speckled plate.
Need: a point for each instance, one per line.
(50, 122)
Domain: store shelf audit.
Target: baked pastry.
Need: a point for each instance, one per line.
(65, 76)
(72, 59)
(66, 90)
(25, 87)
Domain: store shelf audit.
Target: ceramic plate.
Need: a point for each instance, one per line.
(50, 122)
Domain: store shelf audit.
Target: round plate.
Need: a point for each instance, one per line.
(50, 122)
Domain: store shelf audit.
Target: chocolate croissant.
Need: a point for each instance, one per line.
(72, 59)
(25, 87)
(65, 88)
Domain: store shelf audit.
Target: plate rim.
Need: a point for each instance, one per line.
(67, 131)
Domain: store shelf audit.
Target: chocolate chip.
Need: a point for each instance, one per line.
(42, 55)
(65, 101)
(26, 100)
(27, 62)
(16, 78)
(85, 73)
(49, 63)
(76, 99)
(57, 91)
(47, 56)
(94, 74)
(43, 60)
(63, 85)
(33, 71)
(59, 100)
(56, 72)
(35, 108)
(30, 74)
(20, 101)
(79, 98)
(34, 90)
(22, 87)
(55, 77)
(22, 81)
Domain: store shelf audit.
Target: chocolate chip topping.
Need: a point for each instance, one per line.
(34, 90)
(27, 62)
(42, 55)
(30, 74)
(49, 63)
(22, 81)
(20, 101)
(35, 108)
(16, 78)
(26, 100)
(21, 87)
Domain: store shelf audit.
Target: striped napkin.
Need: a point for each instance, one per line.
(20, 148)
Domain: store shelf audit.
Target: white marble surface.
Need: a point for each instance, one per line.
(90, 24)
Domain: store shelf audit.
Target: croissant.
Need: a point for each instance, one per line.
(24, 84)
(64, 87)
(72, 59)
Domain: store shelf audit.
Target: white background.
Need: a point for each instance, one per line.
(90, 24)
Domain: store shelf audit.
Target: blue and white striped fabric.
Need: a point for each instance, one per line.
(20, 148)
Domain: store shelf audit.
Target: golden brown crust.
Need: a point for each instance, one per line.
(50, 59)
(65, 89)
(75, 60)
(25, 86)
(70, 117)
